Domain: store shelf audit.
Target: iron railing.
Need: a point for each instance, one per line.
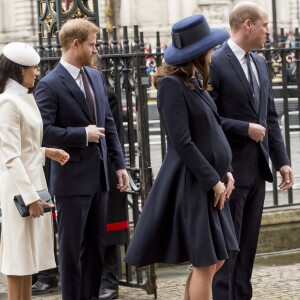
(125, 70)
(284, 67)
(127, 67)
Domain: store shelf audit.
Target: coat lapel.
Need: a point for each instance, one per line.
(260, 71)
(204, 95)
(97, 93)
(207, 98)
(74, 89)
(240, 73)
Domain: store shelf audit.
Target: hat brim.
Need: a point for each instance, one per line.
(178, 56)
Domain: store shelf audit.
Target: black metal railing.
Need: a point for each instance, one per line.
(284, 65)
(125, 70)
(127, 67)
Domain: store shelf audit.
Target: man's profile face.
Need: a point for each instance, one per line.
(259, 31)
(87, 50)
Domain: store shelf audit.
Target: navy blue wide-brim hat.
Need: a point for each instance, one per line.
(192, 37)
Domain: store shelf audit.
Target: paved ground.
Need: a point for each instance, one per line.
(275, 277)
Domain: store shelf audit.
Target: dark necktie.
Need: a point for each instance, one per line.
(88, 94)
(253, 83)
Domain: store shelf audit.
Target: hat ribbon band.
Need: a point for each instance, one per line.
(190, 36)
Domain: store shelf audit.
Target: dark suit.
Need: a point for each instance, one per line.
(81, 186)
(234, 99)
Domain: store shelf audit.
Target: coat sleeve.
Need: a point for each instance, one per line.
(54, 136)
(114, 149)
(277, 150)
(10, 141)
(115, 108)
(173, 111)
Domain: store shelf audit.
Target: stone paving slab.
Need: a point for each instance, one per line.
(269, 282)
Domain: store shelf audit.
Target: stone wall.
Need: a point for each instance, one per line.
(18, 21)
(18, 18)
(160, 15)
(280, 230)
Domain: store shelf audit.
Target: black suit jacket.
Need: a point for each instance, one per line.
(65, 115)
(232, 94)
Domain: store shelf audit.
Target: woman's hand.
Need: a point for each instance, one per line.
(58, 155)
(220, 194)
(229, 184)
(36, 209)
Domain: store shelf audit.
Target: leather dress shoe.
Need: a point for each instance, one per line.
(107, 294)
(43, 288)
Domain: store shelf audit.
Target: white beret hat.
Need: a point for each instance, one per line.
(21, 54)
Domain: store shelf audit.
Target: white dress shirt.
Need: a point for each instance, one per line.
(240, 55)
(74, 72)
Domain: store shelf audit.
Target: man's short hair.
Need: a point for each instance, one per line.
(243, 11)
(76, 29)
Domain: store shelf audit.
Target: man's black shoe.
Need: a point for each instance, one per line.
(107, 294)
(43, 288)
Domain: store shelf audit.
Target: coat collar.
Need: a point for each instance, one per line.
(206, 97)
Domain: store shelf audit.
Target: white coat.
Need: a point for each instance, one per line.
(26, 245)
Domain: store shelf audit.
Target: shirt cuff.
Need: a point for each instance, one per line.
(87, 136)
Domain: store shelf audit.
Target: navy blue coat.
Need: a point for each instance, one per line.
(65, 115)
(178, 222)
(236, 108)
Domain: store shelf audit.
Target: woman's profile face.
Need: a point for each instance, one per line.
(29, 74)
(208, 56)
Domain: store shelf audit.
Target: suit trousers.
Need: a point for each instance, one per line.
(110, 272)
(81, 226)
(233, 280)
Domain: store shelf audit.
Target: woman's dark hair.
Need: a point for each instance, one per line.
(185, 71)
(9, 69)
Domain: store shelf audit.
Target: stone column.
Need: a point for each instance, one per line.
(126, 13)
(188, 8)
(174, 12)
(101, 12)
(294, 14)
(216, 12)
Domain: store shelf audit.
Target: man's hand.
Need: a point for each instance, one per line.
(256, 132)
(287, 178)
(95, 133)
(123, 180)
(58, 155)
